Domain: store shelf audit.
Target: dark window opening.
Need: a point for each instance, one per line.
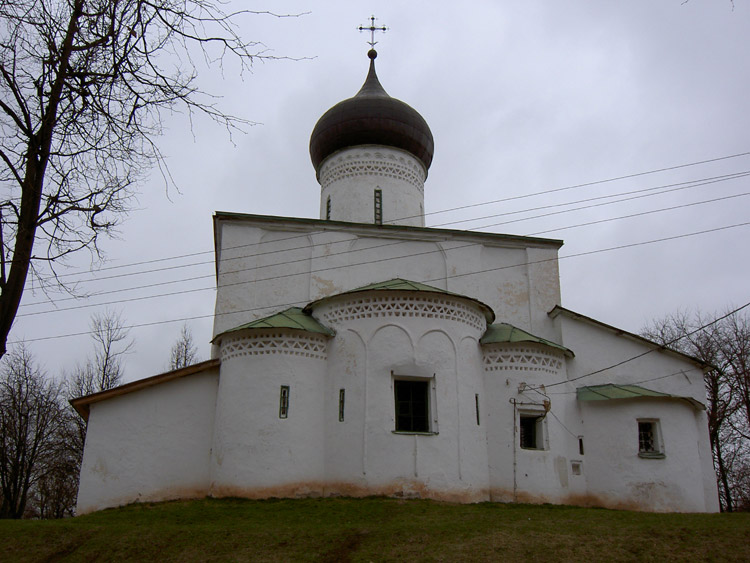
(284, 401)
(328, 208)
(342, 394)
(412, 406)
(476, 404)
(580, 445)
(647, 438)
(530, 431)
(378, 207)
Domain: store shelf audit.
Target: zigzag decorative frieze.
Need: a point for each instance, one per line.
(389, 166)
(401, 306)
(522, 359)
(259, 345)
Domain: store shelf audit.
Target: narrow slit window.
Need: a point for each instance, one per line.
(476, 405)
(342, 396)
(328, 208)
(378, 207)
(284, 401)
(580, 445)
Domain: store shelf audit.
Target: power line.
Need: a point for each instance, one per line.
(676, 187)
(679, 186)
(543, 192)
(628, 176)
(660, 347)
(169, 294)
(282, 305)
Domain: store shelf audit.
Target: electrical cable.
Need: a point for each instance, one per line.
(543, 192)
(280, 306)
(310, 272)
(117, 276)
(660, 347)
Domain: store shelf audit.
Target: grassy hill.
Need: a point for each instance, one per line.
(374, 529)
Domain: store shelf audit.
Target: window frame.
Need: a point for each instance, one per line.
(429, 416)
(378, 206)
(284, 402)
(657, 443)
(540, 429)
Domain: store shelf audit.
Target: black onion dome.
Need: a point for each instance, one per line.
(371, 117)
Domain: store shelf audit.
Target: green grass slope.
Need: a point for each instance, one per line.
(374, 529)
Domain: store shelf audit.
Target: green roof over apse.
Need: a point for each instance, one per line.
(293, 318)
(610, 391)
(506, 333)
(399, 284)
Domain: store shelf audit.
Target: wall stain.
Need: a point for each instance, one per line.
(404, 489)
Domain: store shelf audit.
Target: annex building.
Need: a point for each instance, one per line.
(363, 353)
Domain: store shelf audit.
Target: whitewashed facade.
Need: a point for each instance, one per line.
(362, 353)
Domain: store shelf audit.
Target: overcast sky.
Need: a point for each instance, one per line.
(522, 97)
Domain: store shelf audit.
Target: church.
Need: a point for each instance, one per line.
(363, 353)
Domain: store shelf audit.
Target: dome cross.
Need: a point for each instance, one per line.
(372, 29)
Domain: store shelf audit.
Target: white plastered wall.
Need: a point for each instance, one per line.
(149, 445)
(364, 454)
(256, 453)
(266, 265)
(514, 376)
(688, 452)
(349, 178)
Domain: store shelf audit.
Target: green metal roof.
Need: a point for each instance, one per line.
(399, 284)
(610, 391)
(504, 333)
(294, 318)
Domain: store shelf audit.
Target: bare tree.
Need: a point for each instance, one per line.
(101, 371)
(725, 345)
(83, 87)
(184, 352)
(31, 417)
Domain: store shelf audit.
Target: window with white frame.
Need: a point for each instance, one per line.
(650, 443)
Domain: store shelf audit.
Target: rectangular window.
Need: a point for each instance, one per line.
(580, 445)
(378, 207)
(476, 404)
(649, 439)
(328, 208)
(531, 431)
(284, 401)
(412, 405)
(342, 394)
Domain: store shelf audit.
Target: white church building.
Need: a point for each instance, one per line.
(363, 353)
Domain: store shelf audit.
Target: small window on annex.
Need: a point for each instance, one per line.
(531, 431)
(649, 439)
(412, 405)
